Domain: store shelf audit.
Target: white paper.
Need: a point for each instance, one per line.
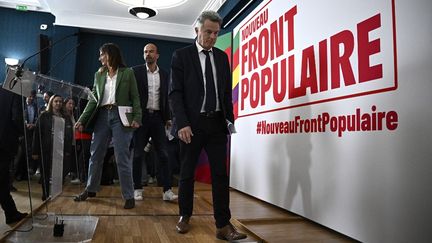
(231, 127)
(123, 110)
(168, 133)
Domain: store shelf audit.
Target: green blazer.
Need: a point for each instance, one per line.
(126, 95)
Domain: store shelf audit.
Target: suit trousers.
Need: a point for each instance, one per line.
(6, 201)
(209, 134)
(154, 127)
(107, 126)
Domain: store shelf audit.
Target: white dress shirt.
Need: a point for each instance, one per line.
(153, 89)
(109, 90)
(202, 58)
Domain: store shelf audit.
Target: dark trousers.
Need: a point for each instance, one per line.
(174, 155)
(154, 127)
(24, 153)
(150, 161)
(6, 200)
(210, 134)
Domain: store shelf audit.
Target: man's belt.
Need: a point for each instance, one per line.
(109, 106)
(211, 114)
(150, 111)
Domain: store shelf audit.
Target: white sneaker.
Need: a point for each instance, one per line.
(75, 181)
(138, 194)
(151, 180)
(169, 196)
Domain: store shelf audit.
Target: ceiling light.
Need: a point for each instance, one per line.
(158, 4)
(11, 61)
(142, 12)
(142, 15)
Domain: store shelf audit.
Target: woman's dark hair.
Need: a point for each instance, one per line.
(65, 101)
(115, 59)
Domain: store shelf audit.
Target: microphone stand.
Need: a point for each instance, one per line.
(19, 70)
(63, 57)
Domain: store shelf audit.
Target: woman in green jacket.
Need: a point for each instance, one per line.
(114, 86)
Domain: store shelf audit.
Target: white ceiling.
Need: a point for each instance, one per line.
(107, 15)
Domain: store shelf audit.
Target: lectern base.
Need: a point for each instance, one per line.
(76, 229)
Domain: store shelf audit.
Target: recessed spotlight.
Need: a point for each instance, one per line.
(142, 12)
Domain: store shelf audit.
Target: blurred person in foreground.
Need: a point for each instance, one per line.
(11, 127)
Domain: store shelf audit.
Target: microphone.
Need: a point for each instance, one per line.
(19, 70)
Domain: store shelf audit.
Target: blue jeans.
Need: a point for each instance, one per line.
(108, 125)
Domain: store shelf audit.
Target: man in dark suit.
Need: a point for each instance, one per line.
(11, 123)
(46, 96)
(201, 101)
(31, 115)
(152, 85)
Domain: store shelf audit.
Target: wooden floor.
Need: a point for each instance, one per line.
(153, 220)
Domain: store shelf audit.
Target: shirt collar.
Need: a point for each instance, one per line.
(156, 71)
(200, 48)
(115, 75)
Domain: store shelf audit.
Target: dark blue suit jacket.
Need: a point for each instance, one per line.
(187, 86)
(35, 115)
(140, 72)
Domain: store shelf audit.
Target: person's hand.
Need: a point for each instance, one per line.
(185, 134)
(135, 124)
(79, 126)
(35, 157)
(30, 126)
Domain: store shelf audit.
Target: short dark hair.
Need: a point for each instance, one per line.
(150, 43)
(210, 15)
